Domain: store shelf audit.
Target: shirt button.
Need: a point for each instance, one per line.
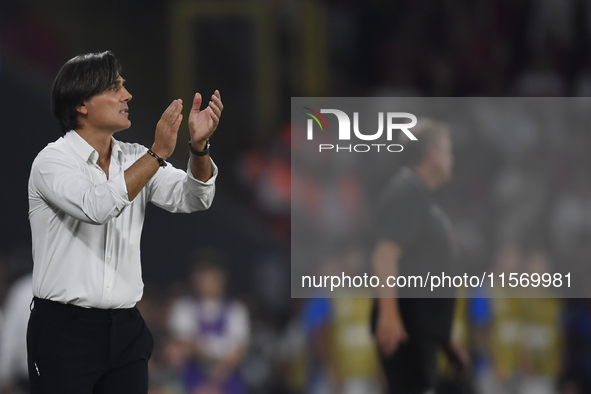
(108, 286)
(109, 257)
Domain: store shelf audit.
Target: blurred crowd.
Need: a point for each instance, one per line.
(520, 201)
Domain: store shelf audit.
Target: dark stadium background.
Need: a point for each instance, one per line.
(261, 53)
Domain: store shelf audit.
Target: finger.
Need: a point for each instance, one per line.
(168, 110)
(172, 111)
(217, 100)
(216, 120)
(178, 106)
(386, 344)
(196, 102)
(215, 108)
(389, 347)
(174, 105)
(177, 123)
(213, 117)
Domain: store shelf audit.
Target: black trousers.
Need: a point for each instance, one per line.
(74, 350)
(412, 368)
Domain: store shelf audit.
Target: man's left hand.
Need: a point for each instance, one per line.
(202, 123)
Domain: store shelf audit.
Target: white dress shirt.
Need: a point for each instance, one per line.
(86, 233)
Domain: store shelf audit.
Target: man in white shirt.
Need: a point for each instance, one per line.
(87, 199)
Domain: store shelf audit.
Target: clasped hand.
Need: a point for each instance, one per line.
(202, 124)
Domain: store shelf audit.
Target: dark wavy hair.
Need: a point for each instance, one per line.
(78, 80)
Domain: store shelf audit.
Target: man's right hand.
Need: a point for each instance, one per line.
(167, 130)
(390, 332)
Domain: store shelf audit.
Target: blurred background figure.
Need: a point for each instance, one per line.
(501, 329)
(522, 337)
(213, 328)
(14, 375)
(576, 369)
(342, 357)
(167, 365)
(542, 332)
(413, 232)
(16, 294)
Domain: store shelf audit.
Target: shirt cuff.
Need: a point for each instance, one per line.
(119, 190)
(210, 181)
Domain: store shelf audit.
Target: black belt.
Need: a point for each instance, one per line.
(55, 307)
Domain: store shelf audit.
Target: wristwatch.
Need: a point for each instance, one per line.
(203, 152)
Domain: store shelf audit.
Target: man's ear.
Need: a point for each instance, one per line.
(81, 108)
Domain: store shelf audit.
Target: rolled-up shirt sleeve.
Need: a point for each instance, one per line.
(175, 190)
(62, 184)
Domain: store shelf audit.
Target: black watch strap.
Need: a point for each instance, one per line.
(203, 152)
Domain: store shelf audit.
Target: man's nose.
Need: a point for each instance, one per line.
(128, 96)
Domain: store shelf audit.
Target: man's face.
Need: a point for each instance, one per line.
(443, 158)
(209, 283)
(108, 110)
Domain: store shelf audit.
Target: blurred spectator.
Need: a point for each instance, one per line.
(576, 378)
(521, 193)
(541, 79)
(166, 367)
(541, 332)
(552, 19)
(570, 220)
(294, 353)
(339, 335)
(524, 335)
(214, 329)
(503, 328)
(14, 373)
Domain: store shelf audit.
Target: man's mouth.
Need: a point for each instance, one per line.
(124, 111)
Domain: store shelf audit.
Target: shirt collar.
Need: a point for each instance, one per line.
(116, 151)
(87, 152)
(415, 179)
